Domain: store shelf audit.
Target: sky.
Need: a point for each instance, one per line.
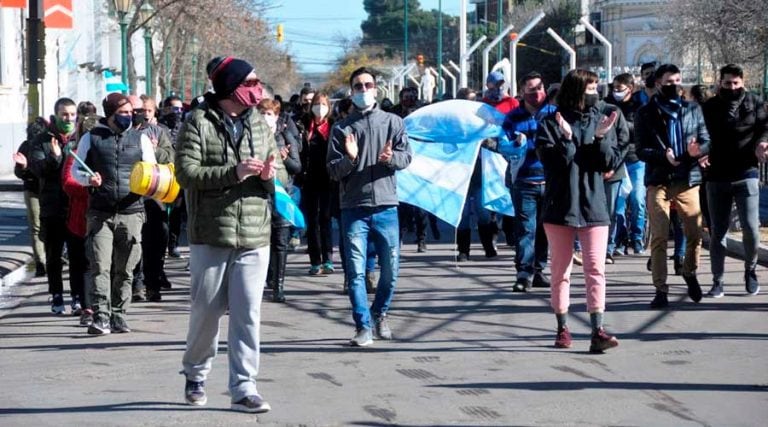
(311, 27)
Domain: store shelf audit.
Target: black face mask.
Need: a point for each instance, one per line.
(172, 118)
(123, 123)
(669, 91)
(139, 119)
(590, 100)
(731, 94)
(650, 82)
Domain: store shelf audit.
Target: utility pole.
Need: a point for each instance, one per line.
(405, 30)
(499, 11)
(35, 57)
(440, 48)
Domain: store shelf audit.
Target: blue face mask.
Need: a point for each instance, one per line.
(494, 94)
(363, 100)
(123, 122)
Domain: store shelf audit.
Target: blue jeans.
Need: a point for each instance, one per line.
(380, 224)
(611, 193)
(531, 249)
(636, 202)
(720, 196)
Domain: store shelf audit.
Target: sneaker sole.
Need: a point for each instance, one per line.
(720, 295)
(602, 348)
(557, 345)
(200, 402)
(242, 408)
(354, 343)
(756, 291)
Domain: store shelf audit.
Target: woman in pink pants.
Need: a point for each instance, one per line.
(577, 146)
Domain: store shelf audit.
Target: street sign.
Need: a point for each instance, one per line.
(58, 13)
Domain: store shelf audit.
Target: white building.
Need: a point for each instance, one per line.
(75, 63)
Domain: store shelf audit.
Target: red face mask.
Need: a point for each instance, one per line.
(535, 99)
(248, 94)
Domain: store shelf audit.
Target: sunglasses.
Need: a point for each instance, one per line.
(361, 86)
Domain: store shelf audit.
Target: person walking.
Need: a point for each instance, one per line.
(738, 125)
(671, 136)
(226, 161)
(577, 145)
(115, 214)
(366, 150)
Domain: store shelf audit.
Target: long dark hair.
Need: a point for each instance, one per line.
(571, 93)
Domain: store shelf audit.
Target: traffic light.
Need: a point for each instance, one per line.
(420, 59)
(36, 50)
(279, 34)
(512, 37)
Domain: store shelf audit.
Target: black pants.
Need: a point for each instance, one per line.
(408, 216)
(175, 219)
(53, 232)
(78, 266)
(278, 254)
(154, 240)
(317, 212)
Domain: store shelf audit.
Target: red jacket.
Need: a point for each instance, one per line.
(78, 200)
(504, 106)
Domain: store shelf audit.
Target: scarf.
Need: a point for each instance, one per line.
(671, 108)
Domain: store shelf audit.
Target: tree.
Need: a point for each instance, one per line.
(727, 31)
(222, 28)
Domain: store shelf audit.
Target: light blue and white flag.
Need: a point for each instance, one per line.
(286, 207)
(445, 138)
(496, 196)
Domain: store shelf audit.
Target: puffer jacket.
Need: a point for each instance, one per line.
(575, 191)
(652, 142)
(222, 210)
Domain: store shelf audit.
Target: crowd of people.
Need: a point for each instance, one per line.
(601, 177)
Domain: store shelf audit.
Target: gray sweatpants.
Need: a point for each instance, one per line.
(224, 278)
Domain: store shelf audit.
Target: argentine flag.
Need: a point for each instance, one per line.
(445, 139)
(286, 207)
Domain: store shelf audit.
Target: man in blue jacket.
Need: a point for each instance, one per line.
(528, 186)
(672, 137)
(366, 149)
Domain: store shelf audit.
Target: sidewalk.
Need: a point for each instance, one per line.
(468, 352)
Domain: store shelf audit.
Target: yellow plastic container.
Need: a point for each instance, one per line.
(155, 181)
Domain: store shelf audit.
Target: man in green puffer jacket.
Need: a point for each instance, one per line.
(226, 160)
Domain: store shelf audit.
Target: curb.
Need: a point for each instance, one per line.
(735, 248)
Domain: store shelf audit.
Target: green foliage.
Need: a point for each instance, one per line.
(384, 29)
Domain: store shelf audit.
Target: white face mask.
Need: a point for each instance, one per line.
(271, 120)
(363, 100)
(619, 96)
(320, 110)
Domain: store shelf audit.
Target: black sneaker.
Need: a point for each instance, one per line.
(119, 326)
(140, 295)
(194, 393)
(521, 285)
(76, 306)
(694, 289)
(381, 326)
(421, 246)
(750, 282)
(253, 404)
(174, 252)
(462, 257)
(609, 259)
(99, 326)
(660, 300)
(716, 291)
(154, 295)
(164, 282)
(57, 304)
(540, 280)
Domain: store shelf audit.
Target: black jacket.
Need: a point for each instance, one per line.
(628, 109)
(734, 133)
(29, 180)
(575, 194)
(46, 166)
(113, 156)
(652, 140)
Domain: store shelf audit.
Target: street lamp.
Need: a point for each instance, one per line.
(122, 7)
(194, 45)
(146, 12)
